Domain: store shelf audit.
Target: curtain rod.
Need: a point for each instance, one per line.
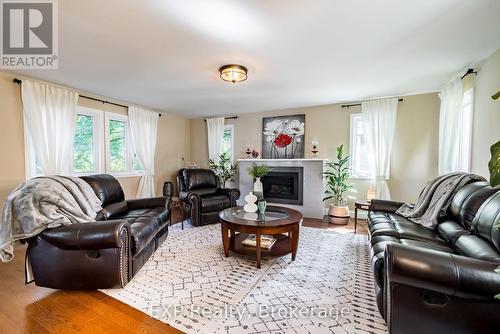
(359, 104)
(469, 71)
(17, 81)
(231, 117)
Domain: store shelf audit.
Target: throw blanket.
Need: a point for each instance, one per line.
(41, 203)
(435, 199)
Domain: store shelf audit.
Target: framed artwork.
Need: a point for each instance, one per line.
(283, 137)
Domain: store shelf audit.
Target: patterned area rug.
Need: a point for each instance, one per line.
(189, 284)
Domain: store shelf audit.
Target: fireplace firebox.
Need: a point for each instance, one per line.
(284, 185)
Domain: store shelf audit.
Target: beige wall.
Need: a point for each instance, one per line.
(414, 159)
(172, 146)
(486, 126)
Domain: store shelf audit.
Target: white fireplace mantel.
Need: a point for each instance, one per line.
(277, 160)
(313, 184)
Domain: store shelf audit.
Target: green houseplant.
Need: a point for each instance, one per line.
(337, 184)
(494, 164)
(257, 172)
(225, 170)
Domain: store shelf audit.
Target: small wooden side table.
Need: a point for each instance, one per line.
(176, 203)
(359, 205)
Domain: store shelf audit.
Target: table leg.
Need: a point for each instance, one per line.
(225, 239)
(257, 248)
(295, 243)
(355, 219)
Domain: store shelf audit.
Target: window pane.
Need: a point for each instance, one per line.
(84, 144)
(117, 146)
(361, 163)
(226, 142)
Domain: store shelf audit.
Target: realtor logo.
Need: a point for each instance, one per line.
(29, 34)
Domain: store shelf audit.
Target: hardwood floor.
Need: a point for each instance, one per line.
(32, 309)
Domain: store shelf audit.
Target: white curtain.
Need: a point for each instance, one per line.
(215, 130)
(379, 124)
(50, 117)
(450, 119)
(144, 129)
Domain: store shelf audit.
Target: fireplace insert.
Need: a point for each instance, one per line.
(284, 185)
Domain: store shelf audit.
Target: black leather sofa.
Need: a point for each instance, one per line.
(201, 196)
(106, 253)
(442, 280)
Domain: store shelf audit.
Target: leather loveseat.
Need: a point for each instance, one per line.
(106, 253)
(201, 196)
(442, 280)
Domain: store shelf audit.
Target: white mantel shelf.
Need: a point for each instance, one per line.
(310, 159)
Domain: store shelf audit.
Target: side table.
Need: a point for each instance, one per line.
(176, 203)
(359, 205)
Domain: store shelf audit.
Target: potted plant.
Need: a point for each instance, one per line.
(336, 177)
(224, 169)
(494, 164)
(257, 172)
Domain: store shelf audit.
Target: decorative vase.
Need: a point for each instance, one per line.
(338, 215)
(250, 205)
(258, 189)
(262, 204)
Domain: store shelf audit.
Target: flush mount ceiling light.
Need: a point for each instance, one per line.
(233, 73)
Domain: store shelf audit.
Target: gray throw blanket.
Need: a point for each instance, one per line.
(41, 203)
(435, 199)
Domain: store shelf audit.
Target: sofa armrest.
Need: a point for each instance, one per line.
(385, 205)
(89, 236)
(449, 274)
(233, 193)
(145, 203)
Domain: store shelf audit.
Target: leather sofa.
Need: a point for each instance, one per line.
(442, 280)
(201, 196)
(105, 253)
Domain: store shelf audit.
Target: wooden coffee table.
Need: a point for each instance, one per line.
(280, 222)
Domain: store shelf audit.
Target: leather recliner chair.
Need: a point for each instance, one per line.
(105, 253)
(442, 280)
(201, 197)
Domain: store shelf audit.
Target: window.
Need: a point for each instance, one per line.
(227, 141)
(361, 162)
(120, 158)
(87, 144)
(466, 131)
(102, 144)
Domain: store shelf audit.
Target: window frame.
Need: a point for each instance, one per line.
(353, 173)
(129, 155)
(98, 147)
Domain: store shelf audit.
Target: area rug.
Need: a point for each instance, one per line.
(190, 285)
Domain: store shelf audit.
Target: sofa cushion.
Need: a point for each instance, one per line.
(214, 203)
(476, 247)
(451, 231)
(113, 210)
(144, 225)
(106, 187)
(199, 178)
(390, 224)
(467, 201)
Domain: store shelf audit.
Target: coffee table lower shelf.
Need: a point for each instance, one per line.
(281, 247)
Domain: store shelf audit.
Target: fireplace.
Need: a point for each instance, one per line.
(284, 185)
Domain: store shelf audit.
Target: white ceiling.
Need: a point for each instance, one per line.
(165, 54)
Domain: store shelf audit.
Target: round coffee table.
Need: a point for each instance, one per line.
(280, 222)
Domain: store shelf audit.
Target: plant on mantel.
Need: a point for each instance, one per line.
(494, 166)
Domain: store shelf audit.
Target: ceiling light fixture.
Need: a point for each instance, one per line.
(233, 73)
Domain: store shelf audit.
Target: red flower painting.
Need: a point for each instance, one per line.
(283, 140)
